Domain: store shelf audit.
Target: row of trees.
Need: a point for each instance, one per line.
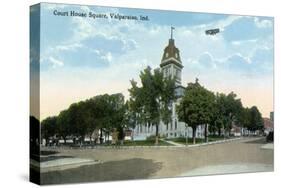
(200, 106)
(150, 104)
(103, 112)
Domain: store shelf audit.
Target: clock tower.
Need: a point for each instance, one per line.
(171, 64)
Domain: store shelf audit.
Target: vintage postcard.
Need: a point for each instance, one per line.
(125, 94)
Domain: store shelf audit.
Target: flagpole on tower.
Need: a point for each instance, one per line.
(172, 28)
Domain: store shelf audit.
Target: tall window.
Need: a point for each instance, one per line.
(176, 124)
(178, 74)
(167, 71)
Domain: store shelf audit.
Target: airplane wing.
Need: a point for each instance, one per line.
(212, 31)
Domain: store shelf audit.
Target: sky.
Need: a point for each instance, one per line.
(81, 57)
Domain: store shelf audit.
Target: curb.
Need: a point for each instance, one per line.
(150, 147)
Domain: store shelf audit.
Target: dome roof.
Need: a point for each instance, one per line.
(171, 54)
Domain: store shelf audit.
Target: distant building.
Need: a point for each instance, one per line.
(236, 130)
(272, 116)
(171, 65)
(268, 125)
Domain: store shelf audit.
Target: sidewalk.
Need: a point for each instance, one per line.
(268, 146)
(173, 143)
(62, 164)
(229, 169)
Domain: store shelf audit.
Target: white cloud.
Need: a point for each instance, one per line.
(107, 57)
(263, 23)
(55, 63)
(71, 47)
(53, 6)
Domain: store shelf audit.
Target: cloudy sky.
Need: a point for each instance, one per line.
(84, 57)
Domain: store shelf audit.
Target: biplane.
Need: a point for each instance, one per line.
(212, 31)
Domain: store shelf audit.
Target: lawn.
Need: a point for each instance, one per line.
(182, 140)
(149, 142)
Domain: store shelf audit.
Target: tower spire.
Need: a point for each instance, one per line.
(172, 28)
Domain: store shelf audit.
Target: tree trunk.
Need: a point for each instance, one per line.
(101, 139)
(206, 133)
(156, 136)
(186, 137)
(47, 142)
(108, 137)
(83, 139)
(194, 135)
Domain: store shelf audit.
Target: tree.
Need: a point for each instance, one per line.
(90, 115)
(77, 119)
(217, 118)
(196, 106)
(104, 112)
(63, 124)
(228, 109)
(49, 128)
(150, 101)
(117, 114)
(121, 134)
(252, 119)
(168, 96)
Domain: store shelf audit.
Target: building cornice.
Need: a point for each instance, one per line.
(171, 60)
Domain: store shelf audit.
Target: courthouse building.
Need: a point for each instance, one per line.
(171, 65)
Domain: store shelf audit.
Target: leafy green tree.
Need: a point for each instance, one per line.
(228, 109)
(217, 118)
(252, 119)
(77, 116)
(168, 96)
(121, 134)
(150, 101)
(233, 110)
(63, 124)
(256, 119)
(196, 106)
(90, 111)
(101, 113)
(109, 112)
(49, 128)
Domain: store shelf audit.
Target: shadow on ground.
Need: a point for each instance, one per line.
(48, 152)
(115, 170)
